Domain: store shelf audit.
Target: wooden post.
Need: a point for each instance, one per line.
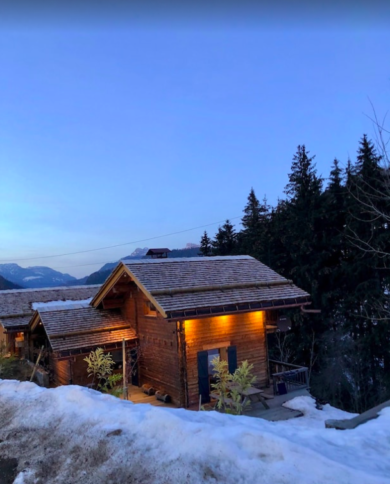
(36, 364)
(124, 369)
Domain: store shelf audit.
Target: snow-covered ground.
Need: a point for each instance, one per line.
(76, 435)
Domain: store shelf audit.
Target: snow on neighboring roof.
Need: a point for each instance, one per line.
(58, 305)
(124, 442)
(18, 302)
(44, 289)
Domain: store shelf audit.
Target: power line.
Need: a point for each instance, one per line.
(116, 245)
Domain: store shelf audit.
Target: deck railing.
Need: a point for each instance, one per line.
(287, 377)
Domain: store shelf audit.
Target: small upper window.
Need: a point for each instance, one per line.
(150, 309)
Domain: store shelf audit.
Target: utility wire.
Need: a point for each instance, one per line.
(117, 245)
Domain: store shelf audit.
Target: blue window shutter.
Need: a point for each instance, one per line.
(232, 358)
(203, 376)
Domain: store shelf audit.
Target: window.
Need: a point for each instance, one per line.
(150, 310)
(211, 354)
(219, 353)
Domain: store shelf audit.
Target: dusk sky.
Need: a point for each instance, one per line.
(119, 131)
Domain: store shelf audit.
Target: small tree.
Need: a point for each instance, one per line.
(205, 245)
(231, 387)
(6, 362)
(100, 367)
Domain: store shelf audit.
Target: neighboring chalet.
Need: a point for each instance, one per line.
(176, 314)
(18, 305)
(158, 253)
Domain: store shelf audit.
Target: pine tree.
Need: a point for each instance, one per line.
(251, 220)
(303, 179)
(225, 240)
(334, 199)
(252, 239)
(298, 236)
(303, 227)
(205, 245)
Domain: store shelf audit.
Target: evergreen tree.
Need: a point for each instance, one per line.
(205, 245)
(299, 221)
(225, 240)
(303, 226)
(334, 200)
(252, 239)
(303, 179)
(251, 219)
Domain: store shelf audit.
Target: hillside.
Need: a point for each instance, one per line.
(98, 277)
(87, 437)
(5, 284)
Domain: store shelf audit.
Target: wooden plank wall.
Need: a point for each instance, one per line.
(79, 371)
(3, 337)
(159, 359)
(61, 369)
(245, 331)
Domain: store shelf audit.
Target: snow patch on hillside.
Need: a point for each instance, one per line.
(73, 434)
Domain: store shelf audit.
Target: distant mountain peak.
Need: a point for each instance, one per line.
(139, 252)
(190, 245)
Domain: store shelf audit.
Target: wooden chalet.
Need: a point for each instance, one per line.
(177, 315)
(158, 253)
(185, 311)
(18, 305)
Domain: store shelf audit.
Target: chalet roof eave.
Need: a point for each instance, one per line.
(206, 312)
(65, 354)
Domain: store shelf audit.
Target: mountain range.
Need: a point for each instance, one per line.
(34, 277)
(12, 276)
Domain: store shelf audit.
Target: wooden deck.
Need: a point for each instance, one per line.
(136, 395)
(275, 413)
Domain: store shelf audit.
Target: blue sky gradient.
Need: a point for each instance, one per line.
(114, 134)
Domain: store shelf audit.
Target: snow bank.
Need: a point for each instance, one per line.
(76, 435)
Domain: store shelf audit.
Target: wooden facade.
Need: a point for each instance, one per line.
(169, 350)
(3, 337)
(158, 346)
(246, 332)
